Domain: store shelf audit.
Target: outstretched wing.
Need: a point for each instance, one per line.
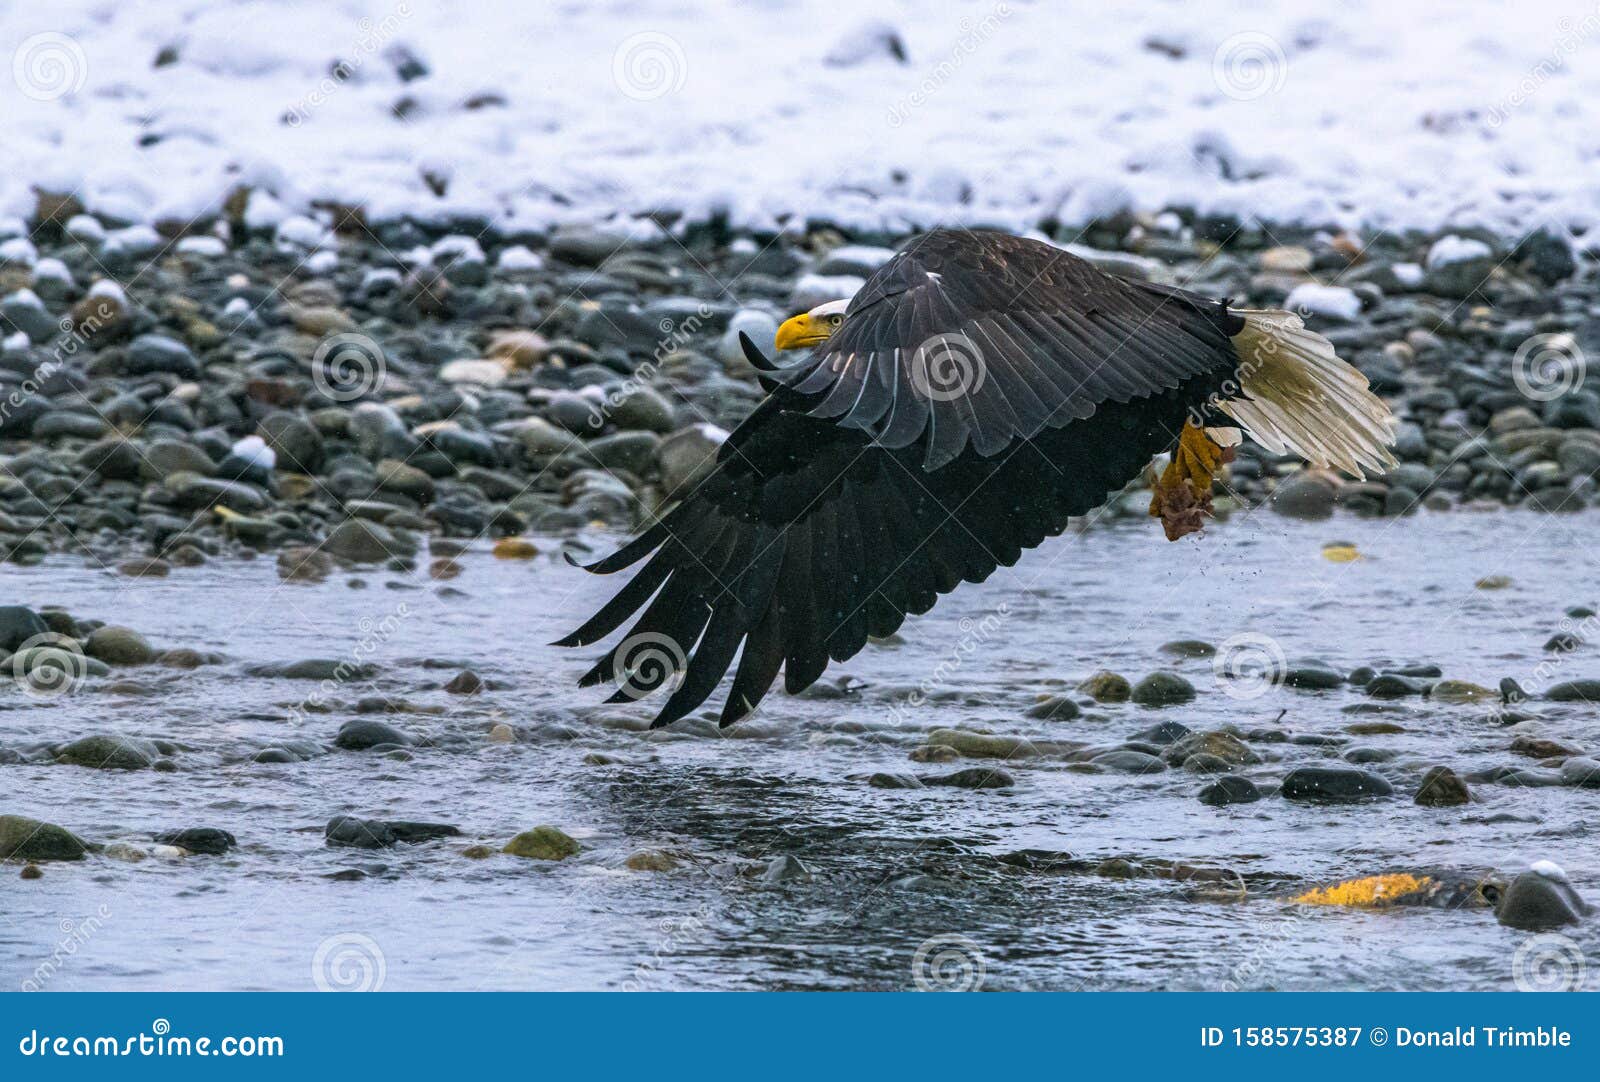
(808, 538)
(981, 338)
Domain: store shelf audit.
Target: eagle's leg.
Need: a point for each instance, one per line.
(1182, 494)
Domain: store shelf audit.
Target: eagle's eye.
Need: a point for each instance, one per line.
(834, 321)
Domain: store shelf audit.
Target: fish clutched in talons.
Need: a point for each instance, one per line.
(1182, 494)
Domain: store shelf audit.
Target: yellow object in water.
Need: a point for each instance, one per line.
(1375, 890)
(1340, 554)
(515, 548)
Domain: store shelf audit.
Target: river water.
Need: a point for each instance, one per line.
(907, 887)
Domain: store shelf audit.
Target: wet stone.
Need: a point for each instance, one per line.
(1536, 901)
(22, 838)
(1333, 785)
(1394, 686)
(1054, 708)
(972, 778)
(1230, 789)
(1581, 771)
(362, 734)
(1162, 688)
(542, 843)
(1107, 687)
(894, 781)
(1129, 762)
(208, 840)
(1442, 788)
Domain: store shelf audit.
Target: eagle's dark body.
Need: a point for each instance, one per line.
(854, 495)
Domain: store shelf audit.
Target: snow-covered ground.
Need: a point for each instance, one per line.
(1383, 112)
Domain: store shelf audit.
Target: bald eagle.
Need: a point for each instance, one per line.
(977, 392)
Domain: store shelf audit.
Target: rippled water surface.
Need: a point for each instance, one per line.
(891, 869)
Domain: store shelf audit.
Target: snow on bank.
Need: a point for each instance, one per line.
(1425, 113)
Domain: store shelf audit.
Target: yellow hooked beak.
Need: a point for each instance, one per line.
(803, 330)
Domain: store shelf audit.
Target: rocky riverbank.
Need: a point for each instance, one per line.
(337, 390)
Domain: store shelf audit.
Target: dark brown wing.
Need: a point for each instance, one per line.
(981, 338)
(807, 538)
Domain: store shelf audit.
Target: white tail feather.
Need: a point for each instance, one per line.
(1301, 399)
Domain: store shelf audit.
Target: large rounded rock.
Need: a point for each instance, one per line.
(361, 734)
(104, 752)
(296, 441)
(18, 624)
(1306, 495)
(119, 646)
(1571, 691)
(1230, 789)
(1162, 688)
(1582, 771)
(22, 838)
(542, 843)
(363, 542)
(1442, 788)
(164, 458)
(686, 457)
(212, 841)
(1106, 687)
(1333, 785)
(1217, 743)
(1536, 900)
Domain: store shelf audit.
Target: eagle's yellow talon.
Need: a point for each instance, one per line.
(1182, 495)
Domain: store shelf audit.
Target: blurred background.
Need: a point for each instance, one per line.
(868, 114)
